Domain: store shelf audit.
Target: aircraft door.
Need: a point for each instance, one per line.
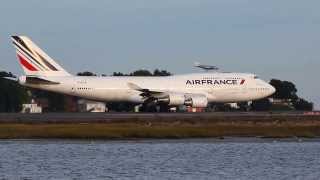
(73, 86)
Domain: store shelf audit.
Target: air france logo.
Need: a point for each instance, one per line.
(215, 82)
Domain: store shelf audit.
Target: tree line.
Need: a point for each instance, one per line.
(286, 92)
(140, 72)
(13, 95)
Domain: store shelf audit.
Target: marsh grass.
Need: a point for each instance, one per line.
(127, 130)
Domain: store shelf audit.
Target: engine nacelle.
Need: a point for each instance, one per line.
(176, 99)
(194, 100)
(199, 101)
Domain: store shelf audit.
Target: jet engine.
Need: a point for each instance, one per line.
(176, 99)
(197, 101)
(194, 100)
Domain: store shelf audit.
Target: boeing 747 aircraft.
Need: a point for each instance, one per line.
(196, 90)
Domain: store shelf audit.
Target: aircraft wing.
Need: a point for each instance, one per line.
(173, 98)
(147, 93)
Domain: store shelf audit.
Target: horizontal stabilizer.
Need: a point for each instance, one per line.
(38, 80)
(10, 78)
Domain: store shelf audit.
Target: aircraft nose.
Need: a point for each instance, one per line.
(272, 89)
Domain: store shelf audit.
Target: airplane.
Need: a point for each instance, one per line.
(206, 67)
(195, 89)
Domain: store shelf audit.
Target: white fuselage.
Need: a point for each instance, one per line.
(216, 87)
(196, 90)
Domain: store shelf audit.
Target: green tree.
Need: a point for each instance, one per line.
(303, 105)
(12, 94)
(287, 90)
(86, 73)
(157, 72)
(118, 74)
(284, 89)
(141, 72)
(6, 74)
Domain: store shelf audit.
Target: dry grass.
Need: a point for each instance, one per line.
(161, 130)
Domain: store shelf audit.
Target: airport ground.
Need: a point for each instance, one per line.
(158, 125)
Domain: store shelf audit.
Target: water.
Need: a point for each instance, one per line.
(155, 159)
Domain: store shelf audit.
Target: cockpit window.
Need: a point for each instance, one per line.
(256, 77)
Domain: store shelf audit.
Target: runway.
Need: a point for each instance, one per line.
(167, 117)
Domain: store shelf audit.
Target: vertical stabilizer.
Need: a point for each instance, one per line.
(34, 61)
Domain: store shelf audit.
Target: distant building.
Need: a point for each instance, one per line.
(137, 108)
(31, 108)
(284, 102)
(91, 106)
(234, 105)
(281, 104)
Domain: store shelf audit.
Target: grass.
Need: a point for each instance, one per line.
(127, 130)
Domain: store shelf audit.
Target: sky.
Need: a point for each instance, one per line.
(274, 39)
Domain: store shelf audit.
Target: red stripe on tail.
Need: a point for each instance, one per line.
(26, 64)
(242, 81)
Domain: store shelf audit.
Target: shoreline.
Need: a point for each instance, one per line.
(157, 126)
(160, 141)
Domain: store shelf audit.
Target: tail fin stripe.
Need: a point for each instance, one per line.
(26, 64)
(27, 51)
(47, 63)
(26, 55)
(20, 41)
(34, 60)
(31, 55)
(27, 59)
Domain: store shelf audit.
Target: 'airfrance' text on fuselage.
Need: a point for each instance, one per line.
(214, 82)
